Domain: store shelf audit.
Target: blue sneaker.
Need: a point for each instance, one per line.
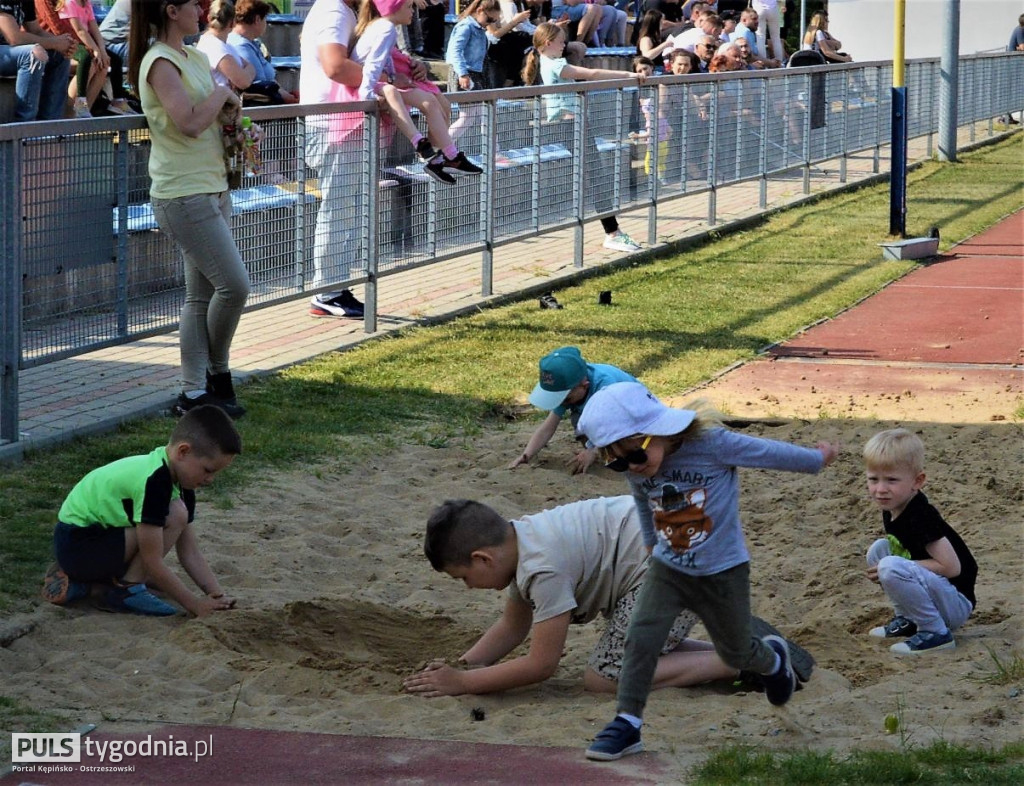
(137, 599)
(779, 687)
(59, 589)
(619, 738)
(924, 641)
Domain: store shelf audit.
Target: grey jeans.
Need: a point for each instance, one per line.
(722, 601)
(216, 282)
(928, 599)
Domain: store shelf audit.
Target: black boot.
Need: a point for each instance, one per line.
(221, 387)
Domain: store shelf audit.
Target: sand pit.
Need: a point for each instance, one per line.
(337, 603)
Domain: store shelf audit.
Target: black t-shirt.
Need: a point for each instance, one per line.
(920, 524)
(673, 12)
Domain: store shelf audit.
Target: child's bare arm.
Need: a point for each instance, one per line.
(547, 642)
(195, 565)
(157, 574)
(944, 560)
(503, 636)
(545, 431)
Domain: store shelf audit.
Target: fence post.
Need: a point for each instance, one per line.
(10, 291)
(121, 154)
(806, 152)
(301, 237)
(654, 153)
(371, 191)
(487, 189)
(876, 158)
(713, 156)
(538, 103)
(580, 150)
(844, 132)
(684, 130)
(762, 153)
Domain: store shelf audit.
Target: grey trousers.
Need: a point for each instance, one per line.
(928, 599)
(722, 601)
(338, 245)
(216, 282)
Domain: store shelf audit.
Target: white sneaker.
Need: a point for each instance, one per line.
(121, 107)
(82, 108)
(620, 241)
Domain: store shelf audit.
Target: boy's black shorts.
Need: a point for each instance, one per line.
(91, 553)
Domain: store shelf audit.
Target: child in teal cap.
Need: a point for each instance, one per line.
(566, 383)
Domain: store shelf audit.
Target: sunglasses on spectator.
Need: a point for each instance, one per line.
(634, 457)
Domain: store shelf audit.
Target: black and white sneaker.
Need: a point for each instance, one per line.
(425, 150)
(336, 304)
(779, 686)
(462, 164)
(435, 168)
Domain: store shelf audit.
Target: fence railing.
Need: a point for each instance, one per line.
(85, 265)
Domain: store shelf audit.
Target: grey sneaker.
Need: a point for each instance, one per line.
(619, 738)
(924, 641)
(897, 627)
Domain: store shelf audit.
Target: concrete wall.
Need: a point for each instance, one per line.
(866, 26)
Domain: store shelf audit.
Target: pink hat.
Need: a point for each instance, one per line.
(387, 7)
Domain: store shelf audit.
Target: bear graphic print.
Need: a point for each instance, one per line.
(680, 519)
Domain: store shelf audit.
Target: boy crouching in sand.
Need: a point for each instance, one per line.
(561, 566)
(923, 565)
(120, 521)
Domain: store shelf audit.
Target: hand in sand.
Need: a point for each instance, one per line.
(581, 462)
(438, 679)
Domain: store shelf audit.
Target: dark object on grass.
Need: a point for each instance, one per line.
(477, 714)
(605, 298)
(547, 300)
(933, 233)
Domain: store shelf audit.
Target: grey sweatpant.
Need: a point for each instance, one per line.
(722, 601)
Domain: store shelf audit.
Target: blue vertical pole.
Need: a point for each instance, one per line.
(898, 139)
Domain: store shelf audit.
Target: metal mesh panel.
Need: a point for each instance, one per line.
(95, 269)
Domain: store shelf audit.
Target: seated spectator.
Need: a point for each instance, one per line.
(509, 51)
(612, 29)
(818, 39)
(752, 60)
(38, 59)
(250, 25)
(732, 52)
(586, 15)
(114, 28)
(747, 28)
(729, 23)
(709, 25)
(672, 21)
(705, 49)
(649, 42)
(94, 63)
(227, 63)
(1017, 37)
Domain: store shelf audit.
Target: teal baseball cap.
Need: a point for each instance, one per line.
(560, 372)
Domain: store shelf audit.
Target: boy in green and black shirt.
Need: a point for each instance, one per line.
(120, 521)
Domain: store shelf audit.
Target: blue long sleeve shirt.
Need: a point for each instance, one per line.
(467, 46)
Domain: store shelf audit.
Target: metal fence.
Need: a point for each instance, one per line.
(85, 265)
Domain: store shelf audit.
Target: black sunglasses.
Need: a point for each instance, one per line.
(637, 457)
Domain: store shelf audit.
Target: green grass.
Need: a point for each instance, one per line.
(939, 763)
(677, 321)
(1004, 672)
(17, 717)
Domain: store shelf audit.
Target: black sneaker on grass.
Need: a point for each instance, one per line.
(435, 168)
(619, 738)
(779, 687)
(462, 164)
(185, 402)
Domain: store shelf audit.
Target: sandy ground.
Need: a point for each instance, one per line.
(337, 603)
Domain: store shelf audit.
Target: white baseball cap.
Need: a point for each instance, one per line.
(627, 408)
